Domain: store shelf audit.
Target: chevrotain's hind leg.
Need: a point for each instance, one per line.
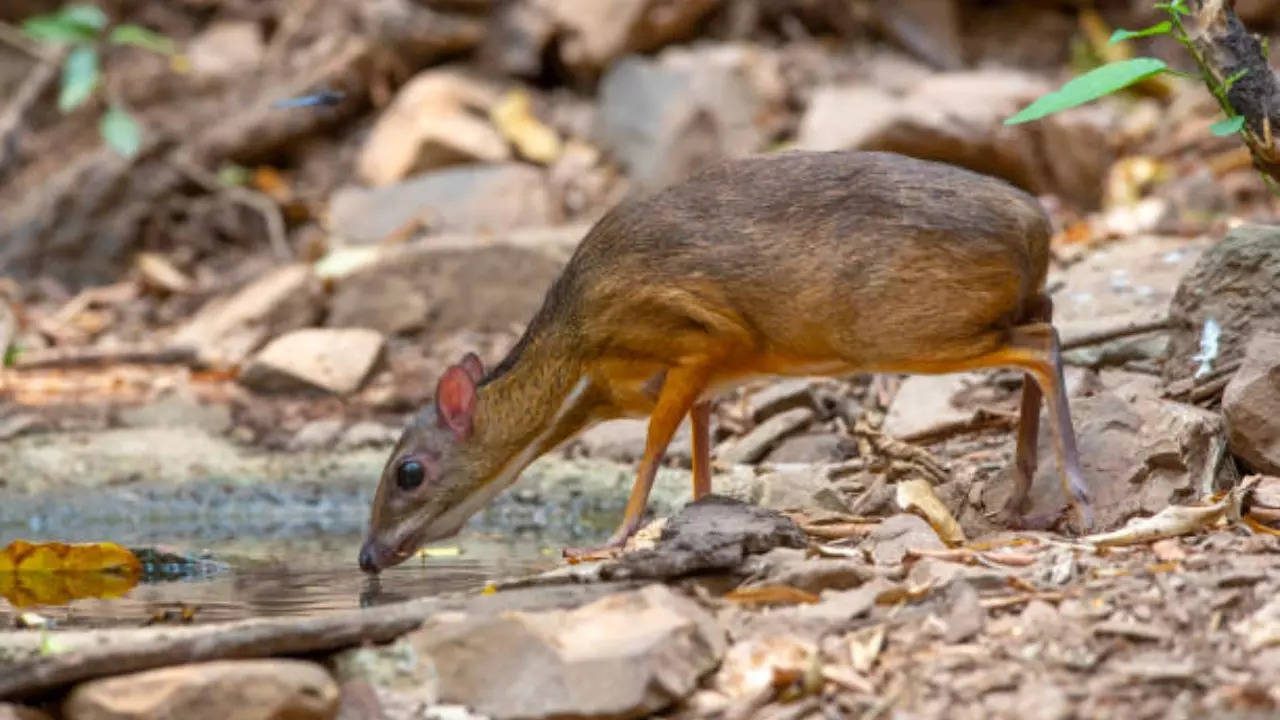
(700, 419)
(1024, 470)
(679, 393)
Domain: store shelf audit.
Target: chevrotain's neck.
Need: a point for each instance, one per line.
(540, 399)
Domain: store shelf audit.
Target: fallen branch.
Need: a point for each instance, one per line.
(248, 639)
(1101, 336)
(67, 357)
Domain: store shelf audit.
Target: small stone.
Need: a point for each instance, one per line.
(924, 402)
(1251, 405)
(436, 119)
(490, 198)
(227, 48)
(780, 397)
(332, 360)
(895, 535)
(626, 655)
(754, 445)
(368, 434)
(246, 689)
(712, 533)
(810, 448)
(226, 330)
(316, 434)
(800, 489)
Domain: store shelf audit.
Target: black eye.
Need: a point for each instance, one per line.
(410, 474)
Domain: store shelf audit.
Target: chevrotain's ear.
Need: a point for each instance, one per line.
(471, 363)
(456, 400)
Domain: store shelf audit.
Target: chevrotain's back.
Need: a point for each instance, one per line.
(871, 257)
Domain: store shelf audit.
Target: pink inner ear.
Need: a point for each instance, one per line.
(456, 400)
(471, 363)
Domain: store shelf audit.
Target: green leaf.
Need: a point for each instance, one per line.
(54, 29)
(140, 37)
(232, 175)
(121, 131)
(1121, 34)
(11, 356)
(1230, 126)
(1088, 87)
(80, 77)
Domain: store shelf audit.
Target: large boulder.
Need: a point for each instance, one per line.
(1251, 404)
(1236, 284)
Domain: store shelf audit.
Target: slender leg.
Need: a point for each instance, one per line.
(1024, 469)
(1042, 340)
(679, 393)
(700, 419)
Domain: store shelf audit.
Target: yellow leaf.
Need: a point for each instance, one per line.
(56, 573)
(771, 595)
(917, 495)
(513, 117)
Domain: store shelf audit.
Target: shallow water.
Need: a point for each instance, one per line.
(293, 576)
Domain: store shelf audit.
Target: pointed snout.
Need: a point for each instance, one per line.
(374, 556)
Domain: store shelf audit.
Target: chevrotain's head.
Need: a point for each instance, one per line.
(427, 484)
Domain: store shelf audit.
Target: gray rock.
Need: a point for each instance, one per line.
(227, 329)
(806, 487)
(1236, 283)
(332, 360)
(626, 655)
(666, 120)
(813, 448)
(755, 444)
(437, 290)
(894, 536)
(927, 401)
(316, 434)
(958, 118)
(712, 533)
(249, 689)
(1251, 405)
(466, 198)
(779, 397)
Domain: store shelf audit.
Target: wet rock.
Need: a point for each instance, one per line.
(958, 118)
(435, 290)
(781, 397)
(813, 448)
(1237, 283)
(331, 360)
(316, 434)
(20, 712)
(666, 119)
(924, 402)
(226, 330)
(438, 118)
(1139, 455)
(248, 689)
(755, 444)
(893, 537)
(626, 655)
(1251, 405)
(226, 48)
(465, 198)
(713, 533)
(178, 410)
(593, 33)
(929, 29)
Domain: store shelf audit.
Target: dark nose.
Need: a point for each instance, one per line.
(369, 557)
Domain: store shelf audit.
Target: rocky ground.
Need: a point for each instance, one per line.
(238, 321)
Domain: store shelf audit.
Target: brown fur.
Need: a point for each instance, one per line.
(797, 263)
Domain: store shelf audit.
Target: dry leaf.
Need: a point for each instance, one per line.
(865, 646)
(158, 272)
(771, 595)
(917, 496)
(271, 183)
(57, 573)
(514, 119)
(1172, 521)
